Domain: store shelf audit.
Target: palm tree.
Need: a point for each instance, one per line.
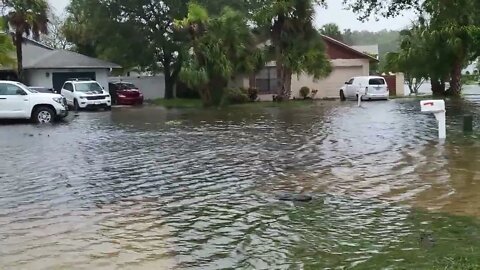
(296, 44)
(221, 47)
(26, 17)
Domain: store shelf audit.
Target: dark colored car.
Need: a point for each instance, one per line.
(125, 93)
(42, 89)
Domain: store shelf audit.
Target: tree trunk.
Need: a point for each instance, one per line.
(438, 87)
(280, 68)
(169, 87)
(287, 87)
(18, 45)
(456, 79)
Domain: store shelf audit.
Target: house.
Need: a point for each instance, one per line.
(48, 67)
(346, 61)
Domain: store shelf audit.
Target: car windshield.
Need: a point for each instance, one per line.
(88, 87)
(127, 86)
(376, 81)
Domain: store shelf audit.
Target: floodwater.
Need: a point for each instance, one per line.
(149, 188)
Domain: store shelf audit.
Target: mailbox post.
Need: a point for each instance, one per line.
(360, 93)
(437, 107)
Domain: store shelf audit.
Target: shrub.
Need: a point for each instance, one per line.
(235, 96)
(252, 94)
(304, 92)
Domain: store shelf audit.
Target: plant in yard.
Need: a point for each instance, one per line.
(220, 48)
(252, 93)
(296, 46)
(235, 96)
(304, 92)
(26, 17)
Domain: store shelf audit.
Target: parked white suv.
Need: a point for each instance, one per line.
(81, 94)
(17, 101)
(370, 87)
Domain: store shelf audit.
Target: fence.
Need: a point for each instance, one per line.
(152, 87)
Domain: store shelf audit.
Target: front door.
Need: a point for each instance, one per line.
(14, 101)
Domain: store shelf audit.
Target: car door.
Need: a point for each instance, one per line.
(350, 88)
(14, 101)
(67, 92)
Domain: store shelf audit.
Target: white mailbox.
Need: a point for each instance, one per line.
(437, 107)
(432, 106)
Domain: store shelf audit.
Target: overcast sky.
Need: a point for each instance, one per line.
(335, 13)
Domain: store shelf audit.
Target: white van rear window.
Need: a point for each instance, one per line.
(376, 81)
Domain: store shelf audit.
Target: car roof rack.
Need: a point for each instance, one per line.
(80, 79)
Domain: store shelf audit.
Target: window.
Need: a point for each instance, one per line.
(266, 80)
(10, 90)
(350, 81)
(376, 81)
(68, 86)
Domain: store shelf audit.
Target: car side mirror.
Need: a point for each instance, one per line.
(21, 92)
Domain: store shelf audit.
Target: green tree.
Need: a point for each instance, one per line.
(26, 17)
(6, 49)
(135, 34)
(221, 48)
(296, 45)
(332, 30)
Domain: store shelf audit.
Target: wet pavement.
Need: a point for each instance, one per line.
(149, 188)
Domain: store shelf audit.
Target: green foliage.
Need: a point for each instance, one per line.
(367, 8)
(6, 49)
(221, 48)
(304, 92)
(296, 46)
(332, 30)
(235, 96)
(445, 39)
(26, 17)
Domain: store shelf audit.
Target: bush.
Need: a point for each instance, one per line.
(304, 92)
(183, 91)
(252, 94)
(235, 96)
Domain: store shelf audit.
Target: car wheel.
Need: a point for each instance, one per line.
(342, 96)
(43, 115)
(76, 107)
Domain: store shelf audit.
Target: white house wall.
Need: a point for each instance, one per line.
(38, 77)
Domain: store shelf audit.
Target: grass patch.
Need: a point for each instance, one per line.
(440, 241)
(271, 104)
(178, 103)
(412, 97)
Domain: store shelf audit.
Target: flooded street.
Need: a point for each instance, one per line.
(149, 188)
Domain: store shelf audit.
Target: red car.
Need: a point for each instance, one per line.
(125, 93)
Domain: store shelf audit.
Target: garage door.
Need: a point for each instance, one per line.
(337, 79)
(328, 87)
(59, 78)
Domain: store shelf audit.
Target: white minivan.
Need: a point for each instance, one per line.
(370, 87)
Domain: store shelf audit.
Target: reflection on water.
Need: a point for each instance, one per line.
(183, 189)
